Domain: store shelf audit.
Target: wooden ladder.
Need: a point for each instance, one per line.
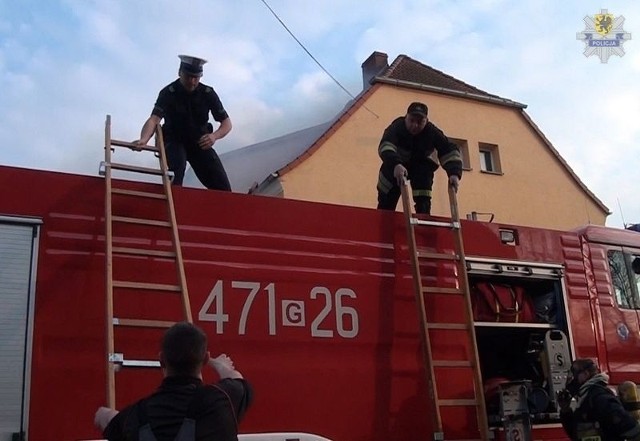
(113, 254)
(466, 327)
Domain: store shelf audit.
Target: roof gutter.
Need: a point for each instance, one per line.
(474, 96)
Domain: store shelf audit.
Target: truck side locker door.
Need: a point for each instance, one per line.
(18, 251)
(618, 300)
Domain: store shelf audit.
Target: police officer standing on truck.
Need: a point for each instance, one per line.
(185, 105)
(405, 149)
(599, 415)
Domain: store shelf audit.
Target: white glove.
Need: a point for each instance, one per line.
(400, 173)
(103, 417)
(454, 181)
(224, 366)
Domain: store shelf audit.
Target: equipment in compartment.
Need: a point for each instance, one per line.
(514, 410)
(498, 302)
(513, 302)
(556, 361)
(536, 357)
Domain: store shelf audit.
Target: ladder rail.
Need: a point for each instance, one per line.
(108, 242)
(425, 340)
(425, 326)
(177, 249)
(483, 423)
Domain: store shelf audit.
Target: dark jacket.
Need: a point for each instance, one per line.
(398, 146)
(215, 408)
(600, 413)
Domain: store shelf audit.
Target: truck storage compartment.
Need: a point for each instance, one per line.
(521, 333)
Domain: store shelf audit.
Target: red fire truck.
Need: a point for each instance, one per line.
(314, 303)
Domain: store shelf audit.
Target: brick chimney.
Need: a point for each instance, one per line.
(372, 67)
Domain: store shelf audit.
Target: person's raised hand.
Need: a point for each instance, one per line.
(224, 366)
(103, 417)
(400, 173)
(454, 181)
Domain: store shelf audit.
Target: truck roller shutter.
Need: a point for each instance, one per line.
(18, 242)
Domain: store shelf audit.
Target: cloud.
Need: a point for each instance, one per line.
(66, 65)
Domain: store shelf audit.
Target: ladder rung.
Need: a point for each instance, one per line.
(142, 323)
(144, 194)
(472, 439)
(441, 256)
(135, 168)
(149, 286)
(416, 221)
(429, 290)
(453, 326)
(452, 363)
(458, 402)
(143, 252)
(133, 146)
(135, 220)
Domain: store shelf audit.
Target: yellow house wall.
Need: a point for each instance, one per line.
(533, 189)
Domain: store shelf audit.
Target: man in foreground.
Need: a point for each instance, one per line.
(183, 405)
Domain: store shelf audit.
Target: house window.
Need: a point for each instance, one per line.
(463, 145)
(489, 158)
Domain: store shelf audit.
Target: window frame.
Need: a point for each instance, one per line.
(491, 151)
(463, 145)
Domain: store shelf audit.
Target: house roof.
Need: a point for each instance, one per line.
(257, 162)
(407, 72)
(254, 163)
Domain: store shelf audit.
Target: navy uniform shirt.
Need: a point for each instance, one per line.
(185, 114)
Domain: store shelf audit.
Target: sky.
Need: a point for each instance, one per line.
(66, 64)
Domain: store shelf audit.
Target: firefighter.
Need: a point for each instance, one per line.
(185, 105)
(599, 414)
(183, 408)
(405, 149)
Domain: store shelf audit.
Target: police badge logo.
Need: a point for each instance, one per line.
(603, 23)
(603, 35)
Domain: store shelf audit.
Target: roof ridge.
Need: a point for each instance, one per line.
(402, 57)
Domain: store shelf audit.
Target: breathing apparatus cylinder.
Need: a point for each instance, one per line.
(628, 394)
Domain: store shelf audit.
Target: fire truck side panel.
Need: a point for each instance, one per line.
(614, 300)
(313, 302)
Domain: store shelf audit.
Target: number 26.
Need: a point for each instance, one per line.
(341, 312)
